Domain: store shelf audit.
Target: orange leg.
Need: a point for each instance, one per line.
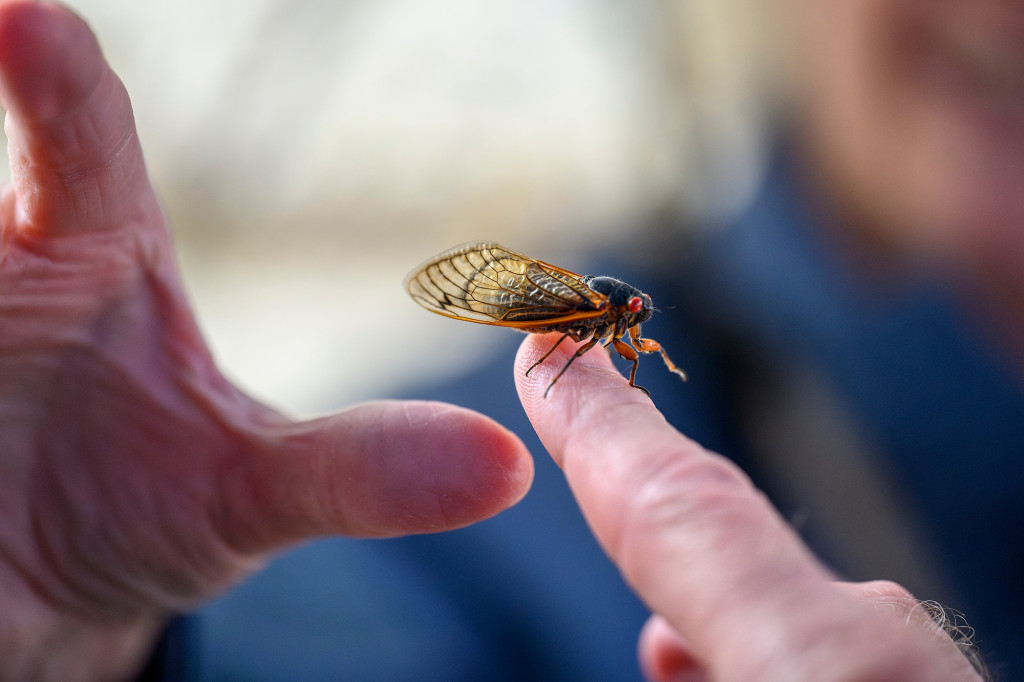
(628, 352)
(652, 346)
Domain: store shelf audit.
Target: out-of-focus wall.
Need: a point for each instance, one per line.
(310, 152)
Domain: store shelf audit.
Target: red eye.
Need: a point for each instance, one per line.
(635, 304)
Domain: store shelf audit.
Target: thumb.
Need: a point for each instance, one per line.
(375, 470)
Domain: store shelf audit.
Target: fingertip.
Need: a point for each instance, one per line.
(501, 463)
(424, 466)
(380, 469)
(76, 162)
(38, 76)
(580, 400)
(532, 379)
(665, 656)
(542, 374)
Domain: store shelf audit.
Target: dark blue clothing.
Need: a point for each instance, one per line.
(929, 401)
(761, 314)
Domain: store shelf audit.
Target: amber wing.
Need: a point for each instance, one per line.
(487, 283)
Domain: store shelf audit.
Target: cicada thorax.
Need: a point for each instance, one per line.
(624, 300)
(617, 307)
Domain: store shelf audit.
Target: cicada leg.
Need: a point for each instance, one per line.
(652, 346)
(579, 351)
(628, 352)
(550, 351)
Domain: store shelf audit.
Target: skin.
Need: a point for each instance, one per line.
(135, 480)
(736, 595)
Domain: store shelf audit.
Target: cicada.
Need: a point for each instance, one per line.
(487, 283)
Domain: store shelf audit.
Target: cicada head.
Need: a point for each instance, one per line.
(625, 299)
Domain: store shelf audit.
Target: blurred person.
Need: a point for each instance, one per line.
(863, 315)
(138, 482)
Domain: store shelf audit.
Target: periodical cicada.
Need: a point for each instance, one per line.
(486, 283)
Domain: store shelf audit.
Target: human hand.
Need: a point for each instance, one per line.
(135, 480)
(736, 594)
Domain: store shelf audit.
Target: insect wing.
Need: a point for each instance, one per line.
(487, 283)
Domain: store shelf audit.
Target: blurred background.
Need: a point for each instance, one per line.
(309, 153)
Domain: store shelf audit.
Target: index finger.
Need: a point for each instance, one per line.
(691, 534)
(76, 162)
